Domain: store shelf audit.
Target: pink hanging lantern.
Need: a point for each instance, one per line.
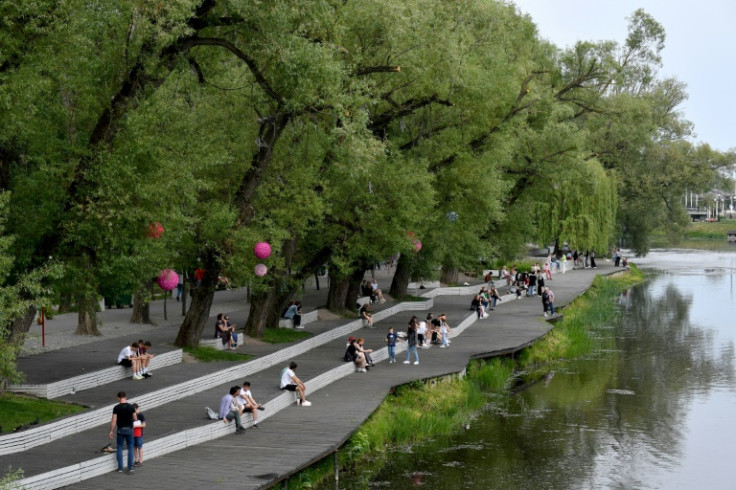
(262, 250)
(168, 279)
(261, 270)
(417, 245)
(155, 230)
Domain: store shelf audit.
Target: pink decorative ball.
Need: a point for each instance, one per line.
(168, 279)
(417, 245)
(155, 230)
(261, 270)
(262, 250)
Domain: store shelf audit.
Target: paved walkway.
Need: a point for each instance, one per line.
(294, 437)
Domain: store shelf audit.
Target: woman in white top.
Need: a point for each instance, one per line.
(377, 291)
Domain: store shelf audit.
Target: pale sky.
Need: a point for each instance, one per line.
(699, 48)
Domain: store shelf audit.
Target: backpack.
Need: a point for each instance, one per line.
(348, 357)
(487, 277)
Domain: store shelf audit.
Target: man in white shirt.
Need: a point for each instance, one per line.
(247, 402)
(128, 357)
(290, 382)
(422, 333)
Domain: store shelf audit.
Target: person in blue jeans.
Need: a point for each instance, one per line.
(391, 337)
(411, 339)
(123, 416)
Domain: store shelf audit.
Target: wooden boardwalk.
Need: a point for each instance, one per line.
(294, 437)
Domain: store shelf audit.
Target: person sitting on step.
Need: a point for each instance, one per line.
(128, 357)
(290, 382)
(246, 402)
(365, 314)
(145, 357)
(377, 291)
(229, 409)
(294, 313)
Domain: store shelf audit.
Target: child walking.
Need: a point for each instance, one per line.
(391, 337)
(138, 426)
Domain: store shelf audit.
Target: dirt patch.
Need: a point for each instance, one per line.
(186, 357)
(247, 340)
(325, 314)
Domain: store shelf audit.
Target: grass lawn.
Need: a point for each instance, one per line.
(210, 354)
(283, 335)
(16, 410)
(700, 235)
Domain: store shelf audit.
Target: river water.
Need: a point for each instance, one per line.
(654, 407)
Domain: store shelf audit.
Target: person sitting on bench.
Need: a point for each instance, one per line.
(128, 357)
(294, 313)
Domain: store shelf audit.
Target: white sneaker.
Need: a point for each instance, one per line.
(407, 362)
(443, 347)
(305, 403)
(416, 362)
(137, 377)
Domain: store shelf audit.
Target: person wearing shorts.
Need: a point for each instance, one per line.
(138, 426)
(128, 357)
(290, 382)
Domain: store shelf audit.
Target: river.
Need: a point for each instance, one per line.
(653, 407)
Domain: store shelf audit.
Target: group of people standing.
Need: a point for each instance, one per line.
(420, 334)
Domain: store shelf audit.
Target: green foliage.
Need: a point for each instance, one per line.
(7, 481)
(334, 130)
(17, 410)
(210, 354)
(284, 335)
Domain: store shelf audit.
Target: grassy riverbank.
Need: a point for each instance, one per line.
(418, 411)
(701, 235)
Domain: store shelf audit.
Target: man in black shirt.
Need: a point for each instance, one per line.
(123, 415)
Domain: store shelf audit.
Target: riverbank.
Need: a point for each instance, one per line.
(439, 408)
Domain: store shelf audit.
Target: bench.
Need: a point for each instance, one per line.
(93, 378)
(307, 318)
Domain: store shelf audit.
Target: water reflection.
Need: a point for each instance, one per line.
(651, 409)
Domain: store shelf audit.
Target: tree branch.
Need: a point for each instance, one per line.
(377, 69)
(382, 120)
(260, 79)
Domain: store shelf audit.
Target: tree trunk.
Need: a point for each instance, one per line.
(338, 293)
(65, 303)
(142, 304)
(400, 282)
(450, 274)
(265, 310)
(87, 319)
(266, 306)
(353, 293)
(20, 326)
(199, 312)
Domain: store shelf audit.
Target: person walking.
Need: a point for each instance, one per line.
(411, 339)
(391, 338)
(551, 301)
(545, 301)
(123, 416)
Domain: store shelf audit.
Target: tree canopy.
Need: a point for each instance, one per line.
(342, 132)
